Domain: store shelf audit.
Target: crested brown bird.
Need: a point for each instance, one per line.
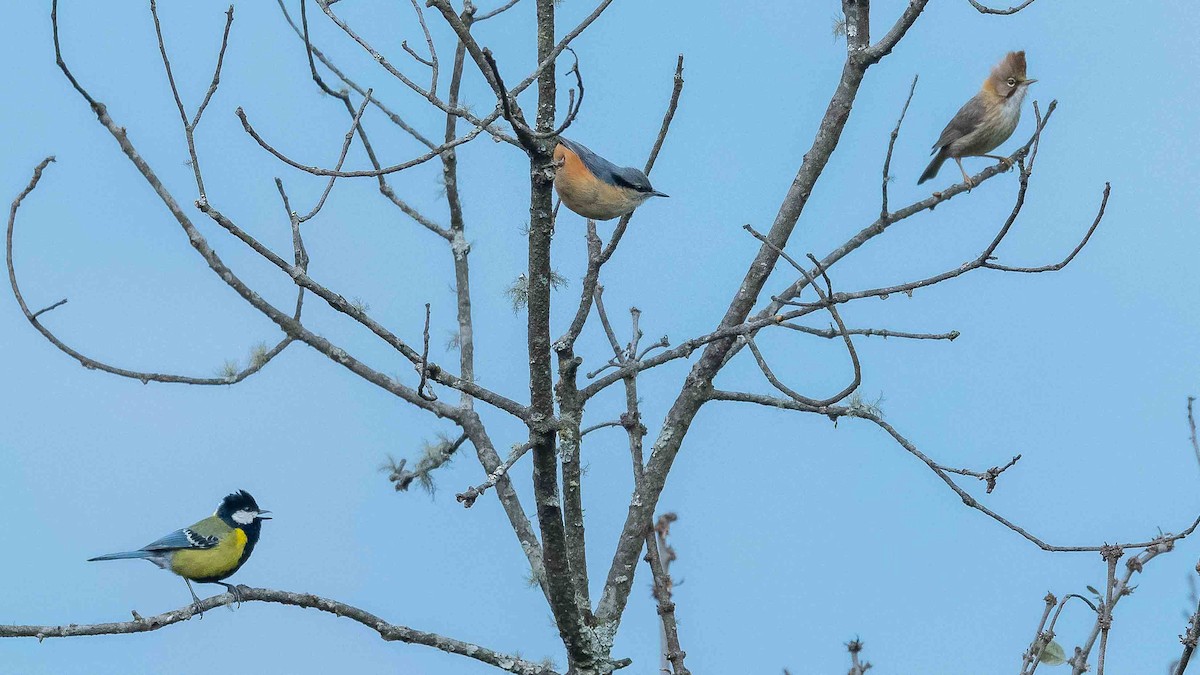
(985, 121)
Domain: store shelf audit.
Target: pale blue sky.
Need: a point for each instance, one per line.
(793, 536)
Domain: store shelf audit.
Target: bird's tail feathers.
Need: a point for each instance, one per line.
(934, 166)
(124, 555)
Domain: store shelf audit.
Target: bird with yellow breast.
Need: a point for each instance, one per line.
(211, 549)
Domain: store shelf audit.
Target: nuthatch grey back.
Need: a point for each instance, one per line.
(987, 120)
(596, 188)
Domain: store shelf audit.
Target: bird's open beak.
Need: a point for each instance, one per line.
(656, 193)
(260, 515)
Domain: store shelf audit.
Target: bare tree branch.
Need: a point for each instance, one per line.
(354, 124)
(668, 117)
(498, 11)
(1049, 634)
(289, 325)
(835, 412)
(1115, 589)
(1192, 427)
(384, 187)
(379, 58)
(984, 9)
(553, 417)
(467, 499)
(692, 396)
(366, 173)
(432, 61)
(857, 667)
(989, 477)
(260, 358)
(887, 160)
(1189, 639)
(885, 333)
(1041, 638)
(549, 56)
(311, 50)
(469, 420)
(189, 127)
(388, 631)
(827, 302)
(660, 555)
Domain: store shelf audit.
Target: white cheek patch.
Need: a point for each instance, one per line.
(244, 517)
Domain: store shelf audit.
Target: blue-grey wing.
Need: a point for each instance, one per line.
(968, 119)
(600, 167)
(181, 539)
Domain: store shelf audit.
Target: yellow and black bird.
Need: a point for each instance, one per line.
(209, 551)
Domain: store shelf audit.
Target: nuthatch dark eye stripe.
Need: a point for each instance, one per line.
(594, 187)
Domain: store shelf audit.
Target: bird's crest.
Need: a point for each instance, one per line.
(237, 501)
(1012, 65)
(1008, 76)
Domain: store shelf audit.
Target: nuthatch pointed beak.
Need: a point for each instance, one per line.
(656, 193)
(1030, 81)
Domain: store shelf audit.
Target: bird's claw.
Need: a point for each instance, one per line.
(235, 591)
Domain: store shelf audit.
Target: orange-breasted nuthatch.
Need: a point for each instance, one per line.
(596, 188)
(987, 120)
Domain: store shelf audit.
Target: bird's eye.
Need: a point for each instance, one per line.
(1012, 81)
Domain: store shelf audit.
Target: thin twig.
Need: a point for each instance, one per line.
(311, 50)
(602, 425)
(255, 365)
(510, 110)
(369, 173)
(887, 160)
(668, 116)
(660, 555)
(828, 303)
(468, 497)
(49, 308)
(423, 367)
(354, 124)
(292, 327)
(1189, 639)
(344, 97)
(432, 61)
(835, 412)
(189, 127)
(496, 12)
(1111, 556)
(1065, 261)
(984, 9)
(988, 476)
(1192, 427)
(885, 333)
(1041, 638)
